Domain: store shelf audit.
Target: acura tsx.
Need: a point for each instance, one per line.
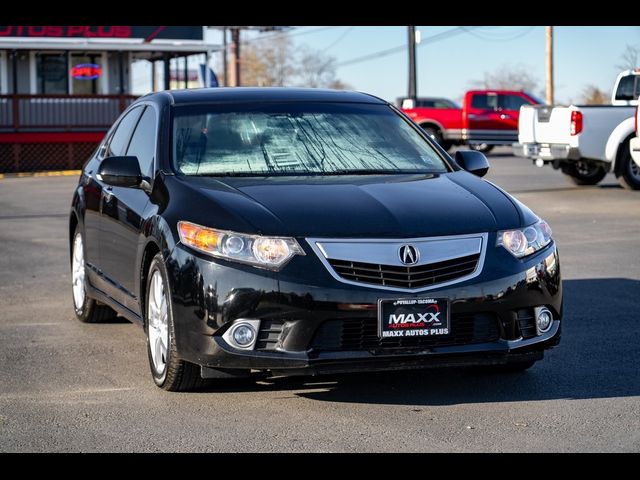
(286, 231)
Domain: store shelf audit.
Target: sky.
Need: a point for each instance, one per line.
(448, 63)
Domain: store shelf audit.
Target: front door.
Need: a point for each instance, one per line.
(122, 217)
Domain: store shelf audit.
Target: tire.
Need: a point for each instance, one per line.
(627, 171)
(87, 309)
(481, 147)
(583, 173)
(169, 371)
(434, 133)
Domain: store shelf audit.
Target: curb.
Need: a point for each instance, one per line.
(58, 173)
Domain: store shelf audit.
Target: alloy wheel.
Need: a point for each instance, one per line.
(158, 317)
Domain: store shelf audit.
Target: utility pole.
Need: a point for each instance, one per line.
(549, 65)
(224, 56)
(235, 50)
(413, 89)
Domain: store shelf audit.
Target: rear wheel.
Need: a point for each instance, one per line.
(168, 370)
(627, 171)
(87, 309)
(583, 172)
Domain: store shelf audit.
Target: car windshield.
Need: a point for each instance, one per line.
(298, 139)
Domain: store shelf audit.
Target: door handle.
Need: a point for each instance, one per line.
(472, 115)
(504, 116)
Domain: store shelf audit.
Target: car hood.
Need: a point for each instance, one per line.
(405, 206)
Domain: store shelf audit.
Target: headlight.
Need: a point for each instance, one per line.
(265, 252)
(525, 241)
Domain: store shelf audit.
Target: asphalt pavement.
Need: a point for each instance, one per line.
(68, 386)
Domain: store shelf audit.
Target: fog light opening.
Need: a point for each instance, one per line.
(544, 320)
(242, 334)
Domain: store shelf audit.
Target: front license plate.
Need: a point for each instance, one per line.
(413, 317)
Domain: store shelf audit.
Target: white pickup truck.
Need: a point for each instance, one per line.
(635, 142)
(585, 142)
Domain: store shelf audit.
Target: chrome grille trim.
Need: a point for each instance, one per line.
(385, 252)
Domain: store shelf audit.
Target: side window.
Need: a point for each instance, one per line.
(512, 102)
(143, 142)
(425, 103)
(485, 101)
(625, 88)
(120, 139)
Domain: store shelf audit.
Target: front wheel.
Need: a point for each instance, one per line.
(583, 172)
(627, 171)
(169, 371)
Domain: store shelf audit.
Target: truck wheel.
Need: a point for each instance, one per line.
(627, 171)
(434, 133)
(481, 147)
(583, 172)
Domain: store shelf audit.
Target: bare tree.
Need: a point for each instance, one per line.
(630, 58)
(592, 95)
(275, 62)
(508, 77)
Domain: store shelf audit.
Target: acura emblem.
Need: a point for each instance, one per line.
(409, 254)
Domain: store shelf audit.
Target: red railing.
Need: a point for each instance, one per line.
(60, 113)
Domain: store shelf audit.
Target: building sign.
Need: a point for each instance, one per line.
(145, 32)
(86, 71)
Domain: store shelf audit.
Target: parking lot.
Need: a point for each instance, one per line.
(68, 386)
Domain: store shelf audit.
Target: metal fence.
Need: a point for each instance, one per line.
(49, 132)
(20, 113)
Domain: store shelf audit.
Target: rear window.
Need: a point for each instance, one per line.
(628, 88)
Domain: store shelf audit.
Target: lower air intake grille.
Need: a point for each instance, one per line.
(362, 334)
(527, 322)
(269, 334)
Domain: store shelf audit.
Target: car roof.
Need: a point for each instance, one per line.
(265, 94)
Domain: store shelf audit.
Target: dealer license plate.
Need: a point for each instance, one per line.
(413, 317)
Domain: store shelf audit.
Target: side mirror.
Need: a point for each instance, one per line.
(120, 172)
(473, 162)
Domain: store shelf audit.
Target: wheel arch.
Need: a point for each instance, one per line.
(432, 123)
(618, 137)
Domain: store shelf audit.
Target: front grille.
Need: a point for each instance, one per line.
(527, 322)
(362, 334)
(406, 277)
(269, 334)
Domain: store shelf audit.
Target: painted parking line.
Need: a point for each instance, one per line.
(56, 173)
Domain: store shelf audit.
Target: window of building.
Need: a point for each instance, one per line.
(86, 73)
(52, 73)
(4, 88)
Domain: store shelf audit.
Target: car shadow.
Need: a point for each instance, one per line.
(597, 358)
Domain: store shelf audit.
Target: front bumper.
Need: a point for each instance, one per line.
(546, 151)
(293, 313)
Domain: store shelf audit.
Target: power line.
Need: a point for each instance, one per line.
(499, 38)
(339, 39)
(402, 48)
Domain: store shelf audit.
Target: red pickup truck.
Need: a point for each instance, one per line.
(487, 118)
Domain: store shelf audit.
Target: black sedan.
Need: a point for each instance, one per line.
(301, 231)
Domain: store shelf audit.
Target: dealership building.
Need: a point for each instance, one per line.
(61, 87)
